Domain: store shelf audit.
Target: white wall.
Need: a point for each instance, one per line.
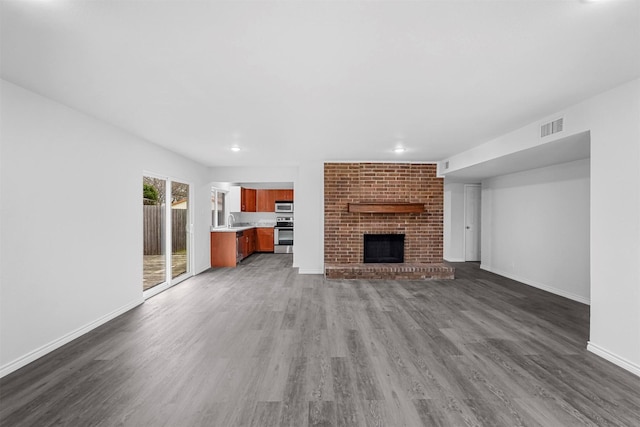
(615, 225)
(71, 222)
(535, 228)
(613, 120)
(453, 222)
(309, 218)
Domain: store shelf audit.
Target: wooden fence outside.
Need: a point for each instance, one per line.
(153, 229)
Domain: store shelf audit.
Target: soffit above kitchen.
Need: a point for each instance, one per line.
(568, 149)
(292, 82)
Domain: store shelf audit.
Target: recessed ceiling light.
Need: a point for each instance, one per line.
(235, 148)
(399, 150)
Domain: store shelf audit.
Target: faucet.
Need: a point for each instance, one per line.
(230, 220)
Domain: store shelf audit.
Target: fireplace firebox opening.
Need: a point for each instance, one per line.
(383, 248)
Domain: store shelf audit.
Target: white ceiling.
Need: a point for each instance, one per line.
(295, 81)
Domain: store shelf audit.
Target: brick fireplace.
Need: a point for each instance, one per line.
(383, 198)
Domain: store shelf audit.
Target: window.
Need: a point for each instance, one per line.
(218, 218)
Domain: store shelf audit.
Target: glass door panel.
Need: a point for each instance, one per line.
(179, 228)
(154, 255)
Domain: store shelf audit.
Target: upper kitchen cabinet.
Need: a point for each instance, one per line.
(262, 200)
(266, 199)
(284, 195)
(247, 200)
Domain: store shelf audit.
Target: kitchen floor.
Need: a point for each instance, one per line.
(261, 345)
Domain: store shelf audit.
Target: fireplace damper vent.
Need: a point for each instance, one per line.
(383, 248)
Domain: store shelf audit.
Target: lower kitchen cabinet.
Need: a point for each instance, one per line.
(223, 249)
(228, 248)
(248, 242)
(264, 239)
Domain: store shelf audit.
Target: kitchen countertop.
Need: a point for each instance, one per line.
(235, 229)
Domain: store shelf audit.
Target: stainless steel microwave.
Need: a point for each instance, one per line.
(284, 206)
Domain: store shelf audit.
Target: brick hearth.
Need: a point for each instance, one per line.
(383, 183)
(401, 271)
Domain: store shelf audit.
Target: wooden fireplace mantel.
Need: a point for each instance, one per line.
(386, 207)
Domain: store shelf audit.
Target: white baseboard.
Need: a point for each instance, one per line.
(454, 259)
(310, 271)
(614, 358)
(48, 348)
(553, 290)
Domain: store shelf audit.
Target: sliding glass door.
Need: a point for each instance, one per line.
(179, 229)
(167, 233)
(154, 240)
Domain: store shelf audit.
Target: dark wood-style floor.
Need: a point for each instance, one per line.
(261, 345)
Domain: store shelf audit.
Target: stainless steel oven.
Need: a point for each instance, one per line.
(283, 235)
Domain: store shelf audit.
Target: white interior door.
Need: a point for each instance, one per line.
(472, 222)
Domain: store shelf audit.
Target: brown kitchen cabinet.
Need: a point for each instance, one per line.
(247, 199)
(229, 248)
(284, 195)
(249, 242)
(223, 249)
(264, 239)
(266, 199)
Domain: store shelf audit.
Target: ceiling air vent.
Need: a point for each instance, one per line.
(551, 128)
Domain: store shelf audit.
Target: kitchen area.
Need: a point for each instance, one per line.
(250, 218)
